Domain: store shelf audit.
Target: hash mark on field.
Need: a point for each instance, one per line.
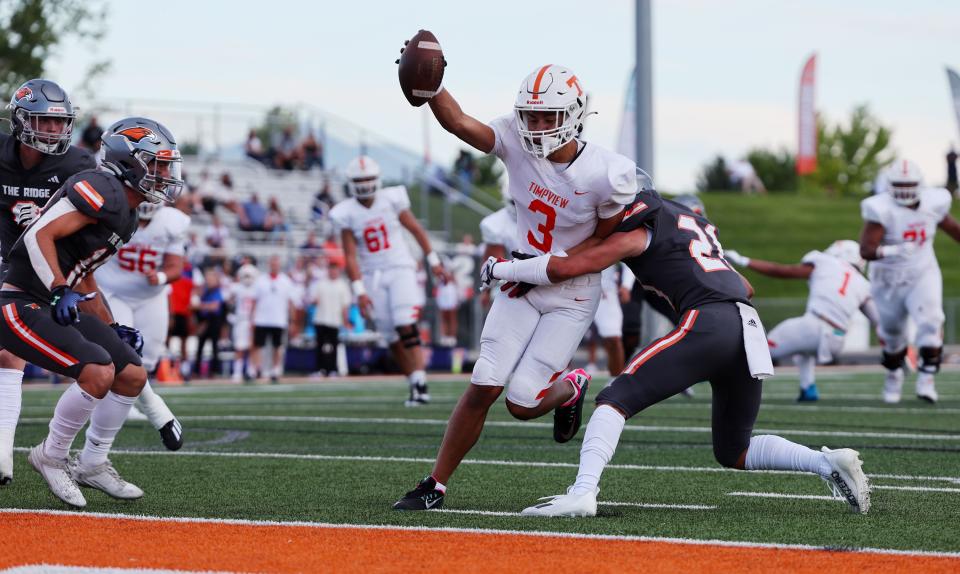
(661, 505)
(785, 495)
(914, 488)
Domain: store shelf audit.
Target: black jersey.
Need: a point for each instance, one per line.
(20, 188)
(683, 264)
(95, 193)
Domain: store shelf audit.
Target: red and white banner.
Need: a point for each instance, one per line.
(807, 120)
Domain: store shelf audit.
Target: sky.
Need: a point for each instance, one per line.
(725, 74)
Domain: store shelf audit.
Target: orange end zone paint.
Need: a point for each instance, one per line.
(77, 540)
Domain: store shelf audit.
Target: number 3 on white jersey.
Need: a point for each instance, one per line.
(701, 248)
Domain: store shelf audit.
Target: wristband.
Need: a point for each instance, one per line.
(358, 288)
(161, 278)
(887, 251)
(433, 260)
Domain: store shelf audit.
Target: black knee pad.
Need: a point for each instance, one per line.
(930, 359)
(409, 336)
(893, 361)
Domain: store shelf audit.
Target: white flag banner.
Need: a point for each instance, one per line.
(954, 79)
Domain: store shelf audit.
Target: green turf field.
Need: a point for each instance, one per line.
(343, 452)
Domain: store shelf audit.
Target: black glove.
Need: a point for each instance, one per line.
(514, 289)
(63, 305)
(130, 336)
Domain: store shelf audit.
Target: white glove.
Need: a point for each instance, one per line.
(902, 249)
(735, 258)
(486, 273)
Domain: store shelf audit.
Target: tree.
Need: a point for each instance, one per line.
(714, 176)
(849, 158)
(489, 170)
(32, 30)
(776, 169)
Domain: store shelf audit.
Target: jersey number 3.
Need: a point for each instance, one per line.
(701, 248)
(544, 228)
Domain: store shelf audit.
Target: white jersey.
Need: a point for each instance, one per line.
(380, 239)
(837, 289)
(274, 295)
(558, 205)
(125, 275)
(903, 225)
(500, 228)
(244, 297)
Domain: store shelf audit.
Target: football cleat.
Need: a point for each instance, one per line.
(419, 395)
(809, 395)
(926, 389)
(105, 478)
(172, 435)
(57, 476)
(847, 479)
(565, 505)
(425, 496)
(892, 386)
(6, 460)
(568, 416)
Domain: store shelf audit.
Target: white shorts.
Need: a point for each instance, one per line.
(529, 341)
(150, 316)
(242, 335)
(448, 297)
(806, 335)
(397, 299)
(609, 317)
(917, 295)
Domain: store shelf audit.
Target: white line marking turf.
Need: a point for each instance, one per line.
(517, 463)
(650, 505)
(532, 534)
(785, 495)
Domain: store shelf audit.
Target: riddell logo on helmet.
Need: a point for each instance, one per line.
(22, 93)
(137, 133)
(534, 102)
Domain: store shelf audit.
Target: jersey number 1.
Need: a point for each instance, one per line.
(701, 248)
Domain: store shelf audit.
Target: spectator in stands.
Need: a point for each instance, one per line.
(252, 215)
(276, 221)
(274, 297)
(285, 149)
(311, 248)
(181, 325)
(333, 252)
(321, 202)
(312, 152)
(331, 296)
(254, 147)
(90, 138)
(210, 317)
(217, 234)
(225, 193)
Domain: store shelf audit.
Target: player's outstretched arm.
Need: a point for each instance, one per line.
(408, 220)
(870, 239)
(353, 272)
(469, 129)
(770, 268)
(951, 227)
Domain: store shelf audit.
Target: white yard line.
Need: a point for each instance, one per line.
(785, 495)
(538, 425)
(482, 462)
(531, 534)
(913, 488)
(660, 505)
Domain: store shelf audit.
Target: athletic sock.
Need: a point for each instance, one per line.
(599, 443)
(105, 423)
(417, 378)
(72, 412)
(11, 393)
(154, 407)
(237, 368)
(770, 452)
(805, 366)
(440, 486)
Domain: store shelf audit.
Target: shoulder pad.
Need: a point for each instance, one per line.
(622, 177)
(811, 257)
(874, 208)
(176, 221)
(398, 197)
(96, 193)
(938, 199)
(641, 210)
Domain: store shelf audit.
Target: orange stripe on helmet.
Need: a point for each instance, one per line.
(536, 83)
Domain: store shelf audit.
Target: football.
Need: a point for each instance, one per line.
(421, 67)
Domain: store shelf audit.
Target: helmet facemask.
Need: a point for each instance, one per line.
(147, 209)
(541, 143)
(27, 127)
(364, 187)
(162, 180)
(905, 193)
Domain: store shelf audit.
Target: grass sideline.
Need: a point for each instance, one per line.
(342, 452)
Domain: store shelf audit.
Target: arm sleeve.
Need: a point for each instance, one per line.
(627, 278)
(811, 258)
(488, 231)
(500, 127)
(942, 202)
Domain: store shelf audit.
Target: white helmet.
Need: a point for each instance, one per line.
(147, 210)
(247, 274)
(363, 177)
(508, 202)
(849, 251)
(903, 181)
(550, 89)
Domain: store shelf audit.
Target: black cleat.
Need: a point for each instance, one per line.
(5, 480)
(567, 420)
(172, 435)
(424, 497)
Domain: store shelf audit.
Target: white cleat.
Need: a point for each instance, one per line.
(105, 478)
(926, 389)
(565, 505)
(847, 479)
(892, 386)
(56, 474)
(135, 414)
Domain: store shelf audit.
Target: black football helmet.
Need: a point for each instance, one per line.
(31, 103)
(144, 155)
